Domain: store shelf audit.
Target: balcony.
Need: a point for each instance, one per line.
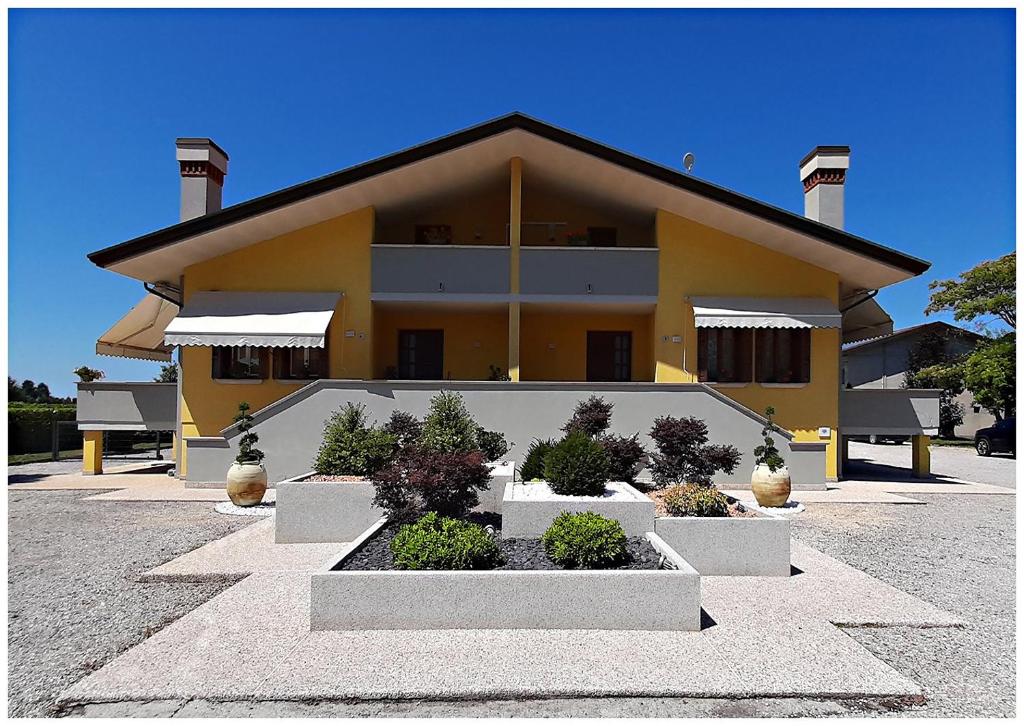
(891, 411)
(451, 272)
(127, 406)
(629, 273)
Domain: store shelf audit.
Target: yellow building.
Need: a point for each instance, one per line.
(512, 252)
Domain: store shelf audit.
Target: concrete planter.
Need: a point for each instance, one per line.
(730, 545)
(501, 474)
(502, 599)
(318, 511)
(529, 508)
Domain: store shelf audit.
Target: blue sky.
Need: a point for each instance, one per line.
(924, 98)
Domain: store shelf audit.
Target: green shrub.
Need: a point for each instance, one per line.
(247, 451)
(694, 500)
(29, 425)
(492, 443)
(577, 466)
(592, 417)
(442, 543)
(405, 427)
(448, 427)
(533, 462)
(352, 447)
(585, 541)
(767, 454)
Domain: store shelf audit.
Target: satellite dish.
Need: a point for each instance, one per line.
(688, 162)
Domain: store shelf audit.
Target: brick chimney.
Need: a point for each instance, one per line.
(203, 168)
(823, 173)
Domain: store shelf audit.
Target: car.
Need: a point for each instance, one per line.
(1001, 437)
(881, 438)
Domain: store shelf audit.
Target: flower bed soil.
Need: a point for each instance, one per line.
(519, 553)
(658, 495)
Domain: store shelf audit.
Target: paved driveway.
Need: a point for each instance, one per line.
(873, 461)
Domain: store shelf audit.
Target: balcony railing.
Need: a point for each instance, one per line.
(416, 270)
(598, 271)
(127, 406)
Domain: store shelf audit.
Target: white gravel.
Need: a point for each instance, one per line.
(73, 599)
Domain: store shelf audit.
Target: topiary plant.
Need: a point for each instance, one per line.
(767, 454)
(247, 451)
(492, 443)
(419, 480)
(694, 500)
(405, 427)
(626, 457)
(448, 427)
(592, 417)
(585, 541)
(533, 462)
(684, 455)
(442, 543)
(577, 466)
(350, 447)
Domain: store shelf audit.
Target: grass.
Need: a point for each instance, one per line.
(16, 459)
(968, 443)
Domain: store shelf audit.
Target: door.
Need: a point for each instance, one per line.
(609, 355)
(421, 355)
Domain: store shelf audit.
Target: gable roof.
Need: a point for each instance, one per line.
(936, 325)
(113, 257)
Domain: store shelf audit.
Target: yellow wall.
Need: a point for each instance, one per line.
(472, 341)
(567, 361)
(331, 256)
(693, 262)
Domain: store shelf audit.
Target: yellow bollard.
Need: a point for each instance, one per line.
(921, 455)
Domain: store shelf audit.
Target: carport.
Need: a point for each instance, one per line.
(890, 412)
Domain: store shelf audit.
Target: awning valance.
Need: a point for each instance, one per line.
(864, 321)
(765, 312)
(140, 333)
(271, 319)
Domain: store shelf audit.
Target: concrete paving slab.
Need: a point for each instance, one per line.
(171, 490)
(765, 636)
(249, 550)
(883, 492)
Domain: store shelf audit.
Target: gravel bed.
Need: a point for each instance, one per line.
(658, 495)
(73, 600)
(335, 478)
(957, 553)
(519, 553)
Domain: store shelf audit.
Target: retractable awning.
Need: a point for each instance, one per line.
(271, 319)
(140, 333)
(765, 312)
(865, 321)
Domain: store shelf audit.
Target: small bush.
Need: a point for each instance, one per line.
(405, 427)
(767, 454)
(247, 451)
(491, 443)
(585, 541)
(420, 481)
(592, 417)
(694, 500)
(352, 447)
(577, 466)
(448, 427)
(533, 462)
(626, 457)
(684, 455)
(441, 543)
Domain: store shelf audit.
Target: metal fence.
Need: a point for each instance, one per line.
(66, 443)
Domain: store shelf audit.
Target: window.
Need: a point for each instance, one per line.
(609, 355)
(724, 355)
(240, 362)
(421, 355)
(300, 363)
(783, 355)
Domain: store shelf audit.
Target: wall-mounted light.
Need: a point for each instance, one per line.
(590, 288)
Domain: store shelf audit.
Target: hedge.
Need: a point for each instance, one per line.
(29, 425)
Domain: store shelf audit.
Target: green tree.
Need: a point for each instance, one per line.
(931, 365)
(168, 374)
(987, 289)
(990, 374)
(14, 392)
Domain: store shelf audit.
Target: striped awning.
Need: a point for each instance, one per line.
(270, 319)
(765, 312)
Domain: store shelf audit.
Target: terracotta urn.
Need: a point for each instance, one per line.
(771, 488)
(247, 483)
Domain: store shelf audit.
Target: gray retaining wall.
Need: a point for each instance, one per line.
(730, 545)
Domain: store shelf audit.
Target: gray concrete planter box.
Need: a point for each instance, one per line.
(317, 511)
(508, 599)
(529, 508)
(501, 474)
(730, 545)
